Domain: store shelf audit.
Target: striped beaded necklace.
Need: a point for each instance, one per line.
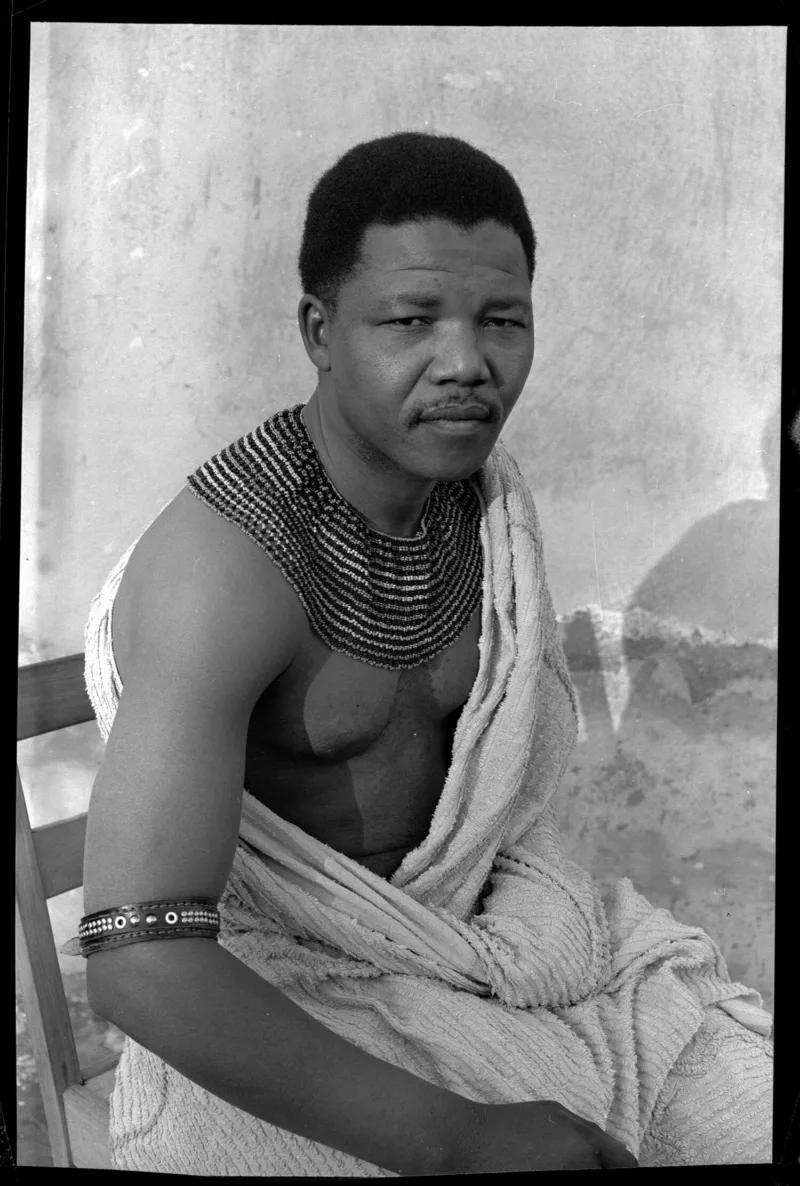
(388, 601)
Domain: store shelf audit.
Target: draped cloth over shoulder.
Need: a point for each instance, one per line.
(488, 963)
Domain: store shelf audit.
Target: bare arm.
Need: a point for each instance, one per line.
(210, 629)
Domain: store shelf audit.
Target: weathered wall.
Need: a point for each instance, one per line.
(168, 171)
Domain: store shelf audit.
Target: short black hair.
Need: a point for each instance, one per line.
(400, 178)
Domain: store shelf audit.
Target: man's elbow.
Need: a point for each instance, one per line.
(118, 980)
(103, 987)
(128, 984)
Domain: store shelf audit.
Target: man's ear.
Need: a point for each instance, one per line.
(314, 321)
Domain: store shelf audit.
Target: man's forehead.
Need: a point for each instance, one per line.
(435, 245)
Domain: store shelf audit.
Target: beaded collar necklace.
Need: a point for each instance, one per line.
(388, 601)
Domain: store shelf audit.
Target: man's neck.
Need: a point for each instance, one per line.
(390, 503)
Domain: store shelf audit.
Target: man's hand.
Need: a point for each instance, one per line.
(537, 1135)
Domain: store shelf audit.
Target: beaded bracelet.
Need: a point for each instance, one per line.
(176, 919)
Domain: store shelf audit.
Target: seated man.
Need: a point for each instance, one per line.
(336, 708)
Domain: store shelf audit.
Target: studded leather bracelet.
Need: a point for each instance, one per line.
(175, 919)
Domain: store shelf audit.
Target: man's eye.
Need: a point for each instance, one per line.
(503, 322)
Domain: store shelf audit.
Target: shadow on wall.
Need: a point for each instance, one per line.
(672, 781)
(722, 575)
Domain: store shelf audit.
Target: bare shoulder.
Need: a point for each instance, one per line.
(196, 587)
(202, 624)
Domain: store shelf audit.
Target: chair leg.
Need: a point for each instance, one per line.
(48, 1076)
(46, 1009)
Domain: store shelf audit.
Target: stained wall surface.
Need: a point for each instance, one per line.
(168, 171)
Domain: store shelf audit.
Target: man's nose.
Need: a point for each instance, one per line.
(459, 357)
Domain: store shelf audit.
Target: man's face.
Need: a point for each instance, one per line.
(436, 320)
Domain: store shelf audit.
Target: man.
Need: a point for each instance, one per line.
(345, 712)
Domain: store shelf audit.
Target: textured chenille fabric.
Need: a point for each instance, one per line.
(391, 602)
(488, 963)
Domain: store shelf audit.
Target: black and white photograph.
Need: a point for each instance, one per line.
(398, 598)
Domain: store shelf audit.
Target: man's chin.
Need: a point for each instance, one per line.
(455, 468)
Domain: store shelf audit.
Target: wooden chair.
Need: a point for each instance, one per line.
(49, 861)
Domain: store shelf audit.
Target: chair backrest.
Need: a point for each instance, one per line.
(49, 861)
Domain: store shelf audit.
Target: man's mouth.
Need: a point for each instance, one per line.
(458, 412)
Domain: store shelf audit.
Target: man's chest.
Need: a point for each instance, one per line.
(332, 708)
